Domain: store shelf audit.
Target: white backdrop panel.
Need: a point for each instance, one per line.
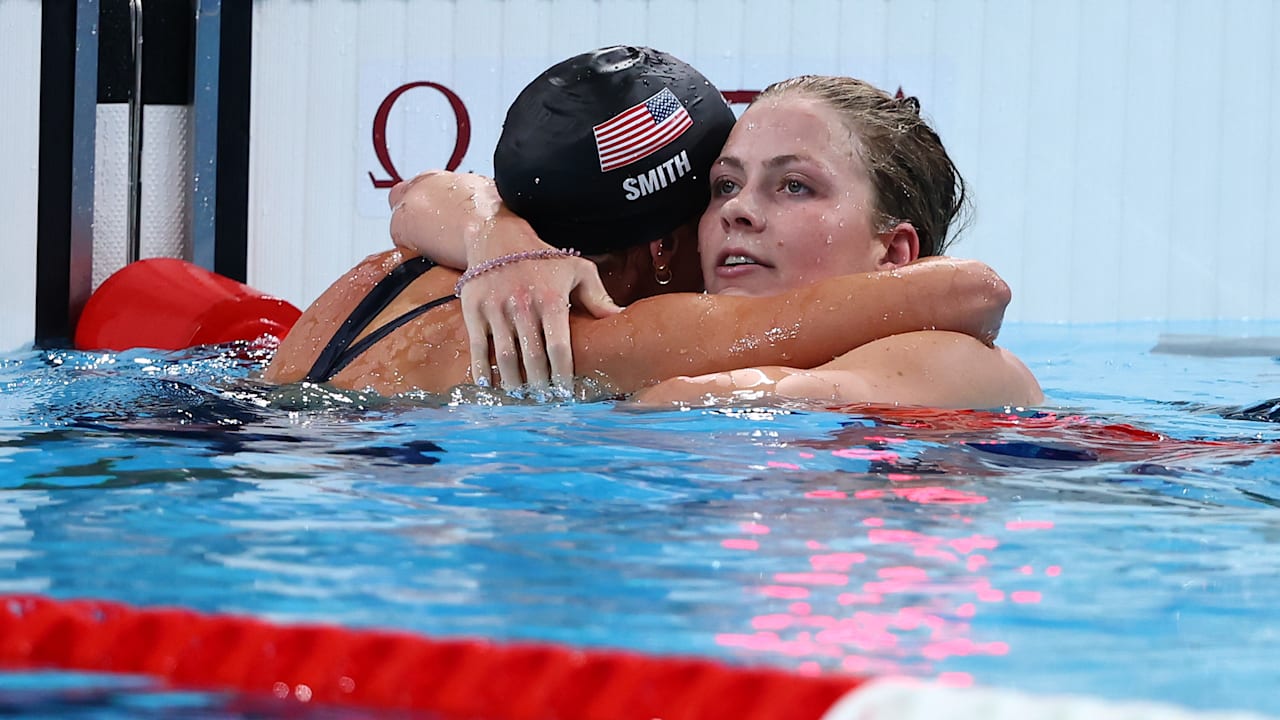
(19, 169)
(1121, 154)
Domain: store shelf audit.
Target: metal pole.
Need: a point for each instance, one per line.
(135, 137)
(204, 135)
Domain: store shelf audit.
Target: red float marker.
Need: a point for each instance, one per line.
(171, 304)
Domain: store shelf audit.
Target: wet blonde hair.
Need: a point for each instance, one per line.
(912, 175)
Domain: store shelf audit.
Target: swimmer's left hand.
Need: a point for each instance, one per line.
(524, 308)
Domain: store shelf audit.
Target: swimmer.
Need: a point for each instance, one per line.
(830, 175)
(390, 324)
(814, 210)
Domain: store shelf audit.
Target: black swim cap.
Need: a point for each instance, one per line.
(611, 148)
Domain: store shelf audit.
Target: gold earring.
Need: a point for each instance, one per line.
(661, 273)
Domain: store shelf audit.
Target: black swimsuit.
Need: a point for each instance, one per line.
(340, 351)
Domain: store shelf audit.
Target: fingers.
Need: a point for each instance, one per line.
(592, 296)
(523, 309)
(478, 337)
(532, 349)
(504, 350)
(559, 348)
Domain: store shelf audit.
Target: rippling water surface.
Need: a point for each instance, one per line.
(1118, 542)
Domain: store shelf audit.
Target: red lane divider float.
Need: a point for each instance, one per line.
(395, 670)
(171, 304)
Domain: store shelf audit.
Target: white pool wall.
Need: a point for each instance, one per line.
(19, 168)
(1122, 155)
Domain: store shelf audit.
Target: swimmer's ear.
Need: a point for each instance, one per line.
(661, 250)
(901, 246)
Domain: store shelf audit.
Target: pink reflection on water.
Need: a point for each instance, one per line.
(836, 562)
(909, 599)
(955, 679)
(833, 494)
(935, 494)
(973, 542)
(1029, 525)
(777, 621)
(811, 578)
(963, 646)
(905, 573)
(786, 592)
(869, 454)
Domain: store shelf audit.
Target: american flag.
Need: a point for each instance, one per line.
(641, 130)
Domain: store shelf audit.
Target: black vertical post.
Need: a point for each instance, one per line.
(232, 215)
(53, 209)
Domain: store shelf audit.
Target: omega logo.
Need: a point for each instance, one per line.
(461, 142)
(462, 123)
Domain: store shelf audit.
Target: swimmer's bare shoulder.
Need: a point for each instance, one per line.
(300, 348)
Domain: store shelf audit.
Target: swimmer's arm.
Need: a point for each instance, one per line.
(931, 369)
(452, 217)
(682, 334)
(458, 220)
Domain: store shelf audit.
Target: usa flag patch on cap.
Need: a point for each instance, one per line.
(641, 130)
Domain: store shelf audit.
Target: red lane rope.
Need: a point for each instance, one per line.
(396, 670)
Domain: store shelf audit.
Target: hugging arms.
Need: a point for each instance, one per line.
(807, 259)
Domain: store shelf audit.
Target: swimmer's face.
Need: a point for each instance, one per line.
(791, 203)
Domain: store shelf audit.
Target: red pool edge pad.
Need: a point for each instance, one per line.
(394, 670)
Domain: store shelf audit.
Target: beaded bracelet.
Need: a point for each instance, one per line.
(501, 260)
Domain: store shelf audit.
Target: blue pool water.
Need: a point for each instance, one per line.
(1055, 552)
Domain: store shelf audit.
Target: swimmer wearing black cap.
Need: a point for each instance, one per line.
(649, 126)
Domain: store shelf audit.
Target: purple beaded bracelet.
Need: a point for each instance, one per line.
(501, 260)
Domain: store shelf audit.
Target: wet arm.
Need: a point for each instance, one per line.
(449, 217)
(681, 334)
(933, 369)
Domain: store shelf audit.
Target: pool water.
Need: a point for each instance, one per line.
(1117, 542)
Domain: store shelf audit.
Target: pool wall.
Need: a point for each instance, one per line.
(1121, 155)
(19, 163)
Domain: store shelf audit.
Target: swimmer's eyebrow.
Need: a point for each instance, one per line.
(729, 160)
(772, 163)
(781, 160)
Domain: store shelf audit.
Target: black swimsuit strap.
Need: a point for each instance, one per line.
(341, 351)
